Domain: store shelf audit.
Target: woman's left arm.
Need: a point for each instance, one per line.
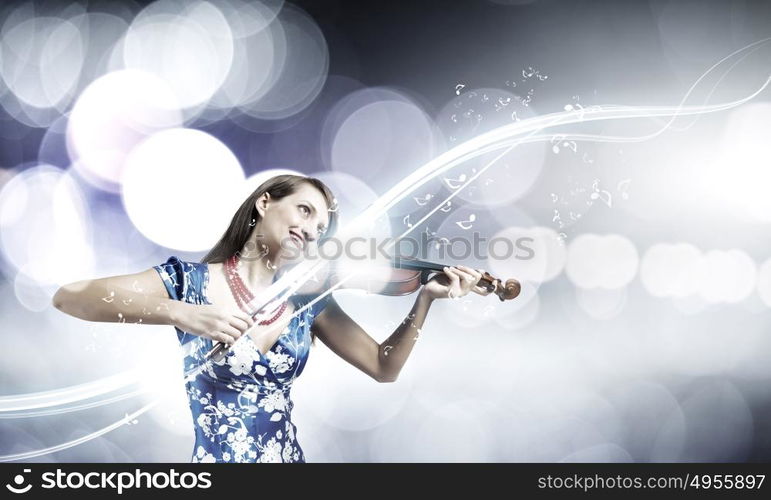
(384, 361)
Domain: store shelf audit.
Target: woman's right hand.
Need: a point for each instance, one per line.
(212, 321)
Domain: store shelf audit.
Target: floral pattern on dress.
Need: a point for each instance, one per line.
(241, 405)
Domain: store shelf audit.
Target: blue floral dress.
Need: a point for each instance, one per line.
(241, 405)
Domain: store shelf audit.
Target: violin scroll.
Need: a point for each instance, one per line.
(509, 290)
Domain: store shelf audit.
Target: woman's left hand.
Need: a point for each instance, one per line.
(456, 282)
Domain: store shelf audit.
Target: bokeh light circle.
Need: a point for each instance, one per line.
(40, 61)
(102, 130)
(304, 70)
(190, 48)
(764, 282)
(379, 135)
(596, 261)
(46, 230)
(668, 270)
(181, 187)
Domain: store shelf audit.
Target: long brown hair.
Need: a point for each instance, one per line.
(237, 233)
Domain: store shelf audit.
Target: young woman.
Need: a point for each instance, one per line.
(241, 403)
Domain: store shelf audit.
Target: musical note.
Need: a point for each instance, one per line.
(462, 224)
(566, 144)
(554, 198)
(127, 301)
(121, 319)
(556, 215)
(502, 103)
(485, 98)
(406, 221)
(622, 187)
(454, 118)
(586, 159)
(253, 223)
(528, 98)
(582, 113)
(531, 72)
(599, 194)
(447, 207)
(386, 349)
(441, 242)
(135, 286)
(451, 183)
(109, 298)
(458, 88)
(422, 201)
(334, 206)
(555, 143)
(129, 422)
(576, 107)
(514, 116)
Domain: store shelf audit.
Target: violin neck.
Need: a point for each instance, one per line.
(417, 265)
(428, 268)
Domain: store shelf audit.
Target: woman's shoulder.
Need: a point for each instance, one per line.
(184, 279)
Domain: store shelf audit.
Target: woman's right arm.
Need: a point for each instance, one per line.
(142, 298)
(130, 298)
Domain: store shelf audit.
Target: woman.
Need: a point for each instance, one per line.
(240, 404)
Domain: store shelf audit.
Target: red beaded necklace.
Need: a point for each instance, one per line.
(242, 294)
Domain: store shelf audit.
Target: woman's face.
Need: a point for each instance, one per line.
(291, 226)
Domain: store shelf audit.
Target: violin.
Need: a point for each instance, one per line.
(403, 277)
(408, 275)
